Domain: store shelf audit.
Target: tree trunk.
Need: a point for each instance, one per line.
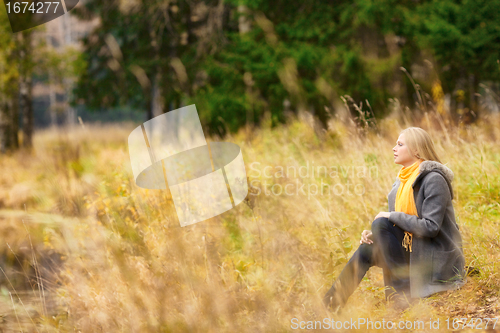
(157, 100)
(9, 120)
(52, 93)
(149, 103)
(244, 23)
(52, 101)
(71, 118)
(26, 103)
(25, 87)
(473, 100)
(9, 106)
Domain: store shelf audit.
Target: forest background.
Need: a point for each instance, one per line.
(328, 82)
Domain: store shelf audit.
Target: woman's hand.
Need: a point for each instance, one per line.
(382, 214)
(365, 237)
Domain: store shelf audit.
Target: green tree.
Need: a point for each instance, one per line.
(240, 59)
(9, 88)
(17, 65)
(309, 55)
(464, 37)
(143, 54)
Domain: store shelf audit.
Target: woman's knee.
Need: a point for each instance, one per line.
(380, 223)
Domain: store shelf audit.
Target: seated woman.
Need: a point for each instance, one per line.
(417, 243)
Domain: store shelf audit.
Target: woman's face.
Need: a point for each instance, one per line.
(402, 154)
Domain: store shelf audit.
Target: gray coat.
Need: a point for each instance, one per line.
(437, 260)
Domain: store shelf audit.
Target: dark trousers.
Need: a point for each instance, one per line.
(386, 252)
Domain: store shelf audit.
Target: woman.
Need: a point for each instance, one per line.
(417, 243)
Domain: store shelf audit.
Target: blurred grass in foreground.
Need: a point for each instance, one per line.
(123, 263)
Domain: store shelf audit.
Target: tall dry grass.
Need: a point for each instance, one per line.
(128, 265)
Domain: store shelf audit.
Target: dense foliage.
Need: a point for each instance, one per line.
(240, 59)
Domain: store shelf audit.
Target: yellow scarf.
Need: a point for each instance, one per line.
(405, 202)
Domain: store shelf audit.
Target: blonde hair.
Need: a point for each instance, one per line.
(419, 141)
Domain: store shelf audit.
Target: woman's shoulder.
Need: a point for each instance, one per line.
(434, 176)
(428, 166)
(435, 182)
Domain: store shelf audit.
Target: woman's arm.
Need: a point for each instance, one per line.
(437, 196)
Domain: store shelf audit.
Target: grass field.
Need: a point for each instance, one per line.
(112, 256)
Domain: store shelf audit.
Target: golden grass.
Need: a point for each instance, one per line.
(129, 266)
